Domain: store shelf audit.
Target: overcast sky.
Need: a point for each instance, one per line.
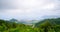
(29, 9)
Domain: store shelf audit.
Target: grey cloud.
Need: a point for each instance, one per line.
(14, 4)
(27, 9)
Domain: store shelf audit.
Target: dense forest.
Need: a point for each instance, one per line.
(47, 25)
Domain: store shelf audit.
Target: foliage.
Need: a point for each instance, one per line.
(47, 25)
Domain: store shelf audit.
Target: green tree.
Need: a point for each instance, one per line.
(46, 25)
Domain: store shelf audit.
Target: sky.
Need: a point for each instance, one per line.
(29, 9)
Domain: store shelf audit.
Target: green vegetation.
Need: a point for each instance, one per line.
(47, 25)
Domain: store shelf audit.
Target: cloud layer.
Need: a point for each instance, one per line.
(29, 9)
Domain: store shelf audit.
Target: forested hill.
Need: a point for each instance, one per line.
(47, 25)
(53, 21)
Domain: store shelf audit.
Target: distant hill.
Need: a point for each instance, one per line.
(12, 20)
(15, 20)
(55, 21)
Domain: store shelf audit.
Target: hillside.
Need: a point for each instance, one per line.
(47, 25)
(51, 21)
